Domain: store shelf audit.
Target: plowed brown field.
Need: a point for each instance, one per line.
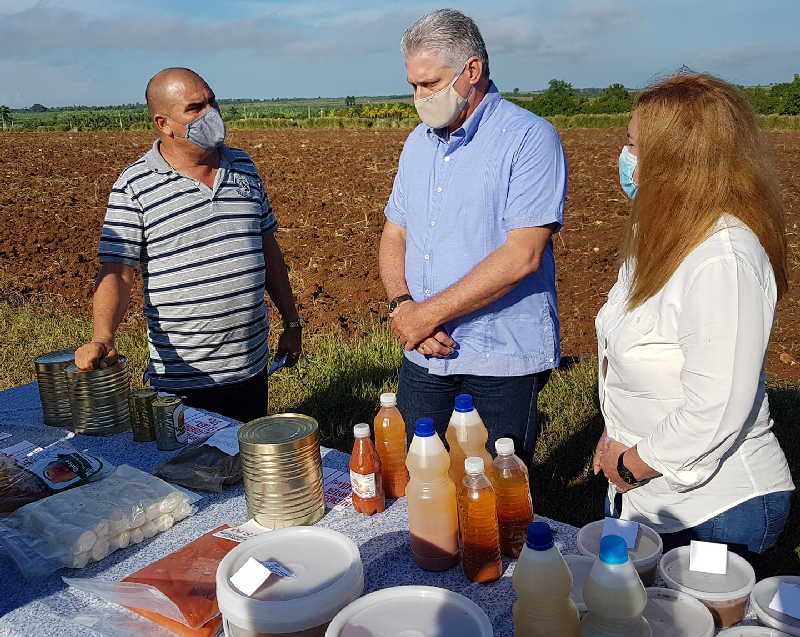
(329, 189)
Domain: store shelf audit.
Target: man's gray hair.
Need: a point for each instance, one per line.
(449, 32)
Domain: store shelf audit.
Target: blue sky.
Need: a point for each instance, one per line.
(59, 52)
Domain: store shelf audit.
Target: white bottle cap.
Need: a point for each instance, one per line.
(504, 446)
(361, 430)
(473, 465)
(388, 400)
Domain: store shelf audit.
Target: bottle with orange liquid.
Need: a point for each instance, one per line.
(480, 534)
(513, 492)
(365, 474)
(390, 442)
(432, 507)
(467, 436)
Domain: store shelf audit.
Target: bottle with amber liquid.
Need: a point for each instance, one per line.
(390, 442)
(365, 473)
(513, 492)
(480, 532)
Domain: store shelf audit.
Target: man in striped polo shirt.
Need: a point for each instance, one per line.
(194, 215)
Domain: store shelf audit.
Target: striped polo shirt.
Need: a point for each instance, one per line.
(200, 253)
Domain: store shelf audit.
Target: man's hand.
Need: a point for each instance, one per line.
(438, 345)
(608, 463)
(96, 355)
(412, 324)
(599, 450)
(290, 343)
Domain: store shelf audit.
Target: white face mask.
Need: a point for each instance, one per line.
(443, 107)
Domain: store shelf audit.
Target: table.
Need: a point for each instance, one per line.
(46, 606)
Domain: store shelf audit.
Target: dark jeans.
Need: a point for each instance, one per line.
(507, 404)
(243, 401)
(749, 528)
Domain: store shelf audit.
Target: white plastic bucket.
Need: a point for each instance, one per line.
(645, 555)
(675, 614)
(751, 631)
(328, 576)
(760, 599)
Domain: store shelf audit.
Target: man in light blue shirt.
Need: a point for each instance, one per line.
(466, 254)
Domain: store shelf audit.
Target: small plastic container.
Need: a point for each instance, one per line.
(413, 611)
(645, 555)
(751, 631)
(328, 576)
(674, 614)
(760, 599)
(724, 595)
(579, 566)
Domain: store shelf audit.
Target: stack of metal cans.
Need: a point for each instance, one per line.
(282, 470)
(99, 399)
(54, 388)
(140, 403)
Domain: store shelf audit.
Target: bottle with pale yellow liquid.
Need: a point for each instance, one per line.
(614, 594)
(467, 437)
(543, 583)
(432, 504)
(390, 442)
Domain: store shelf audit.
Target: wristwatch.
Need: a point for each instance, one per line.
(626, 474)
(296, 324)
(398, 300)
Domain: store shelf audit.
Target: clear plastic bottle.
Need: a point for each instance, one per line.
(467, 436)
(432, 507)
(365, 474)
(543, 583)
(390, 442)
(614, 594)
(480, 533)
(514, 503)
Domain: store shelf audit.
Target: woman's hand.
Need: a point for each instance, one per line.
(608, 463)
(599, 450)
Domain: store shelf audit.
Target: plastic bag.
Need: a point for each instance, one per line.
(85, 524)
(203, 467)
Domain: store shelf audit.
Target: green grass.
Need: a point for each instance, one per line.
(341, 377)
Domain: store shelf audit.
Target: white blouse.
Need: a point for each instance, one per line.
(682, 378)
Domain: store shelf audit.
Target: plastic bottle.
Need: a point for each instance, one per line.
(432, 508)
(365, 473)
(480, 533)
(390, 441)
(514, 503)
(543, 583)
(614, 594)
(467, 436)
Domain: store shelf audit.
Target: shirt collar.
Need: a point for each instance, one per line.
(154, 160)
(470, 126)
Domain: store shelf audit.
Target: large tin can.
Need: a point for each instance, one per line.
(140, 403)
(282, 470)
(169, 424)
(54, 387)
(99, 399)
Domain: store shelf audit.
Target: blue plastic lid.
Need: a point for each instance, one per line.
(540, 536)
(464, 403)
(613, 550)
(424, 427)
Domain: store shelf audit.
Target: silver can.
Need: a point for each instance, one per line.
(140, 402)
(54, 387)
(99, 399)
(169, 424)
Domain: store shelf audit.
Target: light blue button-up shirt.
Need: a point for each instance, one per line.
(458, 196)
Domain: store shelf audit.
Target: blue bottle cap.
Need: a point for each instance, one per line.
(540, 536)
(424, 427)
(613, 550)
(464, 403)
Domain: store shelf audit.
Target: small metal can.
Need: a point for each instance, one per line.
(141, 408)
(168, 421)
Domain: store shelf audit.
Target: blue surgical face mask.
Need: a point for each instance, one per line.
(627, 164)
(206, 131)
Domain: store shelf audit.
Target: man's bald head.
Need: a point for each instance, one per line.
(170, 86)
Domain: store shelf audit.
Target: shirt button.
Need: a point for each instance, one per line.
(427, 257)
(447, 158)
(439, 189)
(433, 223)
(427, 292)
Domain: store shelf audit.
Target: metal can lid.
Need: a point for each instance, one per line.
(61, 356)
(166, 401)
(115, 368)
(278, 429)
(143, 393)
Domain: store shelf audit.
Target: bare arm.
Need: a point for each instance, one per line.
(392, 260)
(280, 291)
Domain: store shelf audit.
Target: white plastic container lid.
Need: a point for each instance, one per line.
(737, 583)
(579, 566)
(411, 611)
(388, 400)
(473, 465)
(328, 576)
(750, 631)
(504, 446)
(644, 555)
(675, 614)
(361, 430)
(761, 597)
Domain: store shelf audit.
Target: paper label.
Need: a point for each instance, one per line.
(626, 529)
(226, 440)
(249, 578)
(243, 532)
(21, 450)
(201, 424)
(179, 422)
(337, 488)
(58, 468)
(787, 600)
(708, 557)
(363, 485)
(279, 569)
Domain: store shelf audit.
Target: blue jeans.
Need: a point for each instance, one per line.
(749, 528)
(507, 404)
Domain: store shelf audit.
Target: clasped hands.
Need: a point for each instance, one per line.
(417, 329)
(606, 458)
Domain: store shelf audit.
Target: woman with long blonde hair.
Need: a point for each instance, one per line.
(688, 447)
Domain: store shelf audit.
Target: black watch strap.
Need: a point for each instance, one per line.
(398, 300)
(625, 473)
